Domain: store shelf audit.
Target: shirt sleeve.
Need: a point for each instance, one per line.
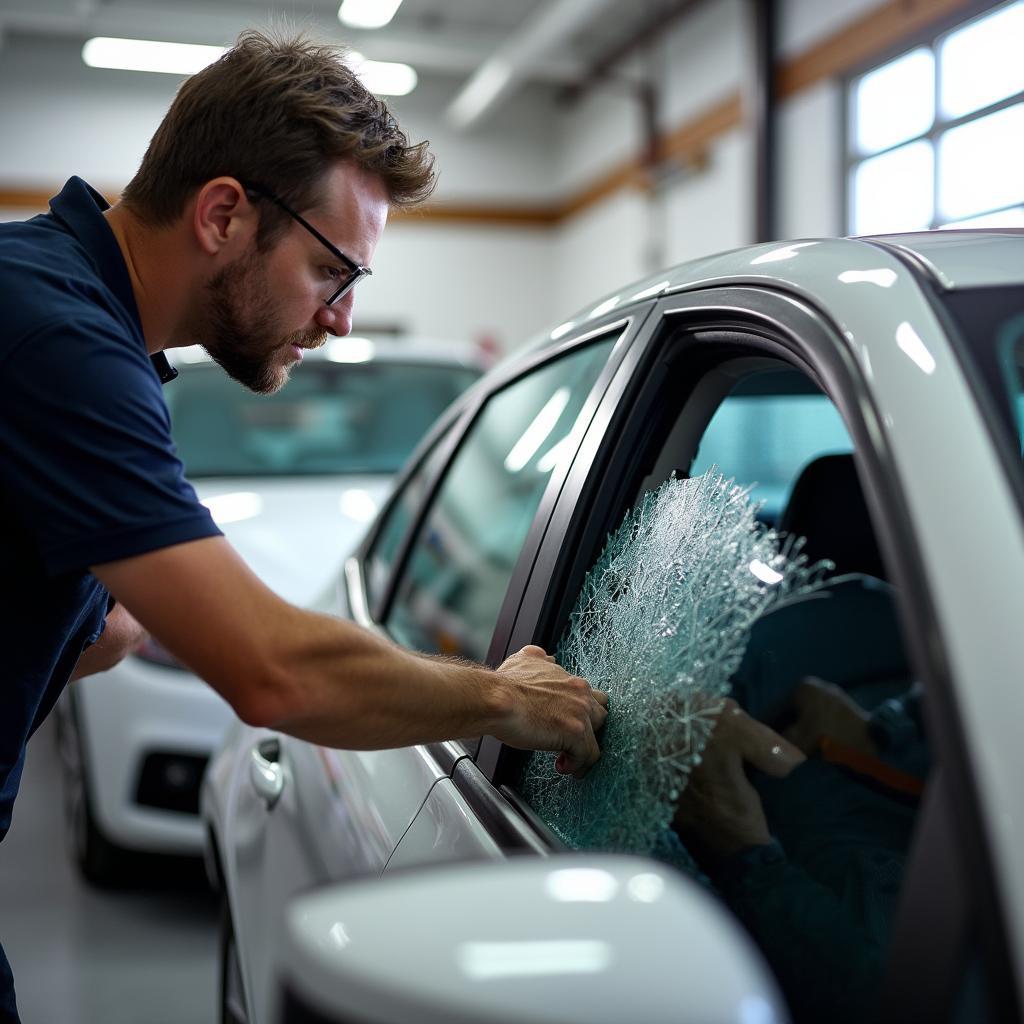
(86, 456)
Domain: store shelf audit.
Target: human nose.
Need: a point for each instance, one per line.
(336, 319)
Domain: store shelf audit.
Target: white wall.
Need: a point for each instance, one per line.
(461, 282)
(802, 23)
(595, 134)
(811, 163)
(600, 250)
(699, 63)
(509, 158)
(58, 117)
(703, 57)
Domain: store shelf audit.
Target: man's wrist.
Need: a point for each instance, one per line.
(497, 703)
(478, 692)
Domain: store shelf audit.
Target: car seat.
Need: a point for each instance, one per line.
(847, 632)
(827, 507)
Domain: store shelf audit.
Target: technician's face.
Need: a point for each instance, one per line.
(266, 308)
(245, 330)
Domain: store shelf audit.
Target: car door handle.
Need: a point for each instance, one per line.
(266, 770)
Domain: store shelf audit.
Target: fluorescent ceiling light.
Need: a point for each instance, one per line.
(367, 13)
(149, 55)
(383, 77)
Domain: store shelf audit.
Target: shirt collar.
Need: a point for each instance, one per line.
(79, 207)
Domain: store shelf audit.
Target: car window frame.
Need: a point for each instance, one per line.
(787, 326)
(443, 435)
(460, 426)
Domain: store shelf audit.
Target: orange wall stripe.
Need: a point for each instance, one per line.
(874, 33)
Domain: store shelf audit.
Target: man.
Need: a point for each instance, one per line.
(257, 208)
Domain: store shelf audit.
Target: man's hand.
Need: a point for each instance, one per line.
(551, 710)
(121, 634)
(719, 806)
(824, 709)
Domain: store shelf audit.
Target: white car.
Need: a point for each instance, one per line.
(293, 480)
(870, 392)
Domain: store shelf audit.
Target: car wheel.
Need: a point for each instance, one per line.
(99, 860)
(232, 992)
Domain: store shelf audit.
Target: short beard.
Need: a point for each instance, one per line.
(241, 332)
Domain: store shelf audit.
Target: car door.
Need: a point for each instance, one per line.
(438, 573)
(683, 392)
(437, 577)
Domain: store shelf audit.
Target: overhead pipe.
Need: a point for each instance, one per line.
(497, 76)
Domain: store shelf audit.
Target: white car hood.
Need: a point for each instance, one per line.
(294, 533)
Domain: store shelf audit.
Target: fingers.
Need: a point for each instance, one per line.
(810, 690)
(804, 734)
(580, 757)
(533, 651)
(760, 746)
(582, 711)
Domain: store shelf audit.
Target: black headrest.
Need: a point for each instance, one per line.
(827, 507)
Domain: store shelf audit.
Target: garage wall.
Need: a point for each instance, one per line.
(59, 118)
(503, 278)
(706, 208)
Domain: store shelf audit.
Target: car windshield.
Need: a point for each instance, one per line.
(991, 321)
(329, 418)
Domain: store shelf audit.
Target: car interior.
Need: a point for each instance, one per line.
(844, 819)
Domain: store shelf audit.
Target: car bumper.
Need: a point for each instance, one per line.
(147, 733)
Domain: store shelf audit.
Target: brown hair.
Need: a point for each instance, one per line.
(275, 112)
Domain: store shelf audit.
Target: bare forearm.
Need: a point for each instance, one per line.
(353, 689)
(121, 634)
(329, 681)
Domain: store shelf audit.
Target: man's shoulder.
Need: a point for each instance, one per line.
(40, 247)
(48, 283)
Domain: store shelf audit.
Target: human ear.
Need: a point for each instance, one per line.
(222, 216)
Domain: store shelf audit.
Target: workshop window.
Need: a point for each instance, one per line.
(936, 136)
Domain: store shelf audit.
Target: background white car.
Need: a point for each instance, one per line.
(293, 480)
(874, 389)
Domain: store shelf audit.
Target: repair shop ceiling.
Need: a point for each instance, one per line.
(501, 46)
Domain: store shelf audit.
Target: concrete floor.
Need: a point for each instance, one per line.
(141, 955)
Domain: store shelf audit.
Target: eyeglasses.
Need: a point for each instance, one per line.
(353, 272)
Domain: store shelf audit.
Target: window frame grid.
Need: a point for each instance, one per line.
(932, 40)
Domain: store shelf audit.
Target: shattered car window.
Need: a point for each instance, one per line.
(765, 732)
(661, 624)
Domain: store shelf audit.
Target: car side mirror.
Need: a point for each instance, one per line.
(575, 939)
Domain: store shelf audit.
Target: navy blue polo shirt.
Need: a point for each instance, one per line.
(88, 471)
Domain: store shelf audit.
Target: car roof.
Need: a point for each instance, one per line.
(954, 259)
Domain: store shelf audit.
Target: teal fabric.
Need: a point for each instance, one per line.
(847, 633)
